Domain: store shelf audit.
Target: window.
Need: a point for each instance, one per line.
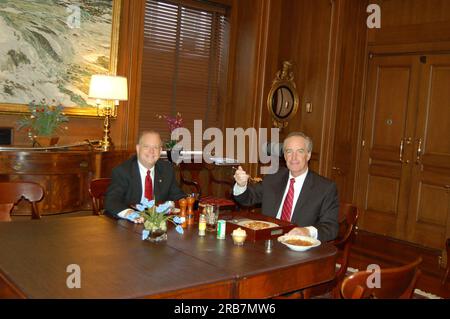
(183, 64)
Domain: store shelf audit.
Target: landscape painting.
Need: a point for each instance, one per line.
(50, 48)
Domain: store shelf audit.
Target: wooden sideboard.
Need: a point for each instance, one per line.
(64, 174)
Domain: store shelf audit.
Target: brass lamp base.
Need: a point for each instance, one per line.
(106, 143)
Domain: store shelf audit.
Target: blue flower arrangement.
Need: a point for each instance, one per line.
(157, 216)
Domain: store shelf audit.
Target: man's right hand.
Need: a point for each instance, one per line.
(241, 177)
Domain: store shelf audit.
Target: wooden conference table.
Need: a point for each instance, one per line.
(116, 263)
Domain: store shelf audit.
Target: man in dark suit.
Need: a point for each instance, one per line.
(143, 175)
(295, 193)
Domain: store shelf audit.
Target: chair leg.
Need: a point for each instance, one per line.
(336, 293)
(306, 293)
(444, 279)
(35, 211)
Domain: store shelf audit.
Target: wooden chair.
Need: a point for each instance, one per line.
(12, 192)
(97, 190)
(395, 283)
(447, 270)
(195, 171)
(348, 218)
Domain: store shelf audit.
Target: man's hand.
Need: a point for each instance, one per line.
(302, 231)
(241, 177)
(134, 217)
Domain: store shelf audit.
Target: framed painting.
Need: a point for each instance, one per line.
(50, 48)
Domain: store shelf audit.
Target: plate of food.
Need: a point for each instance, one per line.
(256, 224)
(299, 243)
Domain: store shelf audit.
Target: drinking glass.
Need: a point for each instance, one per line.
(212, 216)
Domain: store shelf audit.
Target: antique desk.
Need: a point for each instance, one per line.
(65, 174)
(116, 263)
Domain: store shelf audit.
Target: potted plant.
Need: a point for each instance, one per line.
(44, 122)
(156, 218)
(173, 122)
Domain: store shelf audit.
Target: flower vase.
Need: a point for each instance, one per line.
(45, 141)
(158, 233)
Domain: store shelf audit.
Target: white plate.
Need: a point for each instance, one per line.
(244, 223)
(314, 242)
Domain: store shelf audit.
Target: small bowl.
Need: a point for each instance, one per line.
(239, 239)
(312, 241)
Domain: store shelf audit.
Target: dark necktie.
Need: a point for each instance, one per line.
(288, 201)
(148, 186)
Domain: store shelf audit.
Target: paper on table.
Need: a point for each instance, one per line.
(223, 160)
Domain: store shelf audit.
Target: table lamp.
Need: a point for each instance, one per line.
(108, 88)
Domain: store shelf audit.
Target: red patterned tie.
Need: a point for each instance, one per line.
(288, 201)
(148, 186)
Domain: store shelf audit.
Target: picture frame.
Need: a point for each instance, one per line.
(64, 78)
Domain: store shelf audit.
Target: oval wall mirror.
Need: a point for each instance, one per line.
(283, 100)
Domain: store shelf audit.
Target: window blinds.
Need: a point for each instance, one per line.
(184, 64)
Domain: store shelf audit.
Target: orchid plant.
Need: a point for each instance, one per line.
(173, 122)
(157, 216)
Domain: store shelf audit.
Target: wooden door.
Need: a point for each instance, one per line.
(429, 205)
(385, 165)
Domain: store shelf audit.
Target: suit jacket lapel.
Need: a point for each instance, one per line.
(158, 181)
(136, 187)
(303, 197)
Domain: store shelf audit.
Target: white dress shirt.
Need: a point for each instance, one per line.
(298, 185)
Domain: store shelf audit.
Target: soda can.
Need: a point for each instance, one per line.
(221, 228)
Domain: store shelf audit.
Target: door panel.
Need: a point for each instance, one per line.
(391, 103)
(383, 194)
(384, 182)
(430, 195)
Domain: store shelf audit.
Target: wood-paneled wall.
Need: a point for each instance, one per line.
(323, 40)
(411, 22)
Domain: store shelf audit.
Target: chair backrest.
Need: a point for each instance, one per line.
(348, 218)
(193, 181)
(395, 283)
(97, 190)
(447, 269)
(12, 192)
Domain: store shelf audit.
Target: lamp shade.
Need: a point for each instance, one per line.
(108, 87)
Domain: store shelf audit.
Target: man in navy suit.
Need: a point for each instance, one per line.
(143, 175)
(295, 193)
